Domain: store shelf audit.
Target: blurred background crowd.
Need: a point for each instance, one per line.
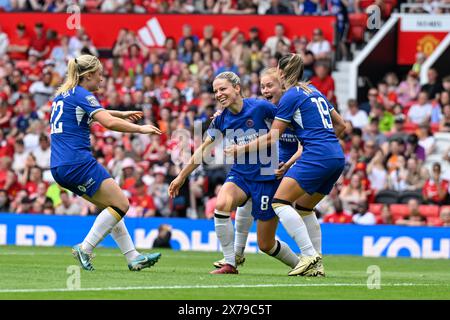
(213, 6)
(388, 139)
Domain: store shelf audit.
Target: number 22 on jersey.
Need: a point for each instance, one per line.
(55, 123)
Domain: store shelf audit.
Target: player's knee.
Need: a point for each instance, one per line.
(277, 203)
(118, 212)
(122, 206)
(223, 206)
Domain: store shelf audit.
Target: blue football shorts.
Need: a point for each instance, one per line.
(261, 193)
(316, 176)
(82, 179)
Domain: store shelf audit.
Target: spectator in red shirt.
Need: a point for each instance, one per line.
(6, 148)
(128, 179)
(32, 69)
(19, 44)
(11, 184)
(39, 41)
(34, 179)
(385, 97)
(435, 190)
(386, 216)
(339, 216)
(323, 81)
(142, 200)
(5, 166)
(134, 56)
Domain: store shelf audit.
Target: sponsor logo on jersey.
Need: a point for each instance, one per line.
(87, 185)
(93, 101)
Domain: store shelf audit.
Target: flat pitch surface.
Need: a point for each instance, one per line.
(44, 273)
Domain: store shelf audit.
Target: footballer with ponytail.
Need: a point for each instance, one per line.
(73, 166)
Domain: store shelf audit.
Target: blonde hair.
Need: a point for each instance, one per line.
(292, 66)
(271, 72)
(76, 69)
(232, 78)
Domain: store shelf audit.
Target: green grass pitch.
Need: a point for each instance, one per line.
(42, 273)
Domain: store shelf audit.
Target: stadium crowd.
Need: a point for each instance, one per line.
(387, 141)
(186, 6)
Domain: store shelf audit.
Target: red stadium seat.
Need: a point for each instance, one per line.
(358, 23)
(92, 5)
(376, 208)
(434, 127)
(399, 210)
(363, 4)
(434, 221)
(429, 210)
(410, 127)
(407, 106)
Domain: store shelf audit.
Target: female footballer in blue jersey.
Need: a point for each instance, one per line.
(73, 166)
(316, 125)
(240, 122)
(289, 151)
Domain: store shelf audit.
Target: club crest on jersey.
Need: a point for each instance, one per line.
(93, 101)
(250, 123)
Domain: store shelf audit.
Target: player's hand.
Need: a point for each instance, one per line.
(132, 116)
(216, 114)
(282, 168)
(234, 151)
(175, 186)
(149, 129)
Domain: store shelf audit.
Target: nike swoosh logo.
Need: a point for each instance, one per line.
(81, 258)
(145, 260)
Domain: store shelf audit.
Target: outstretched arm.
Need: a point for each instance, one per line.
(117, 124)
(127, 115)
(193, 163)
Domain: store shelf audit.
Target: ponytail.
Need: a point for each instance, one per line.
(293, 67)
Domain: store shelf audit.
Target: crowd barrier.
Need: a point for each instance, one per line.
(199, 235)
(153, 29)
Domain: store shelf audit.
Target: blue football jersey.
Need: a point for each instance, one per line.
(71, 115)
(309, 114)
(287, 145)
(251, 122)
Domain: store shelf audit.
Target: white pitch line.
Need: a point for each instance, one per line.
(67, 253)
(217, 287)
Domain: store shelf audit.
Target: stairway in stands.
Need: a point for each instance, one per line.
(341, 82)
(442, 146)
